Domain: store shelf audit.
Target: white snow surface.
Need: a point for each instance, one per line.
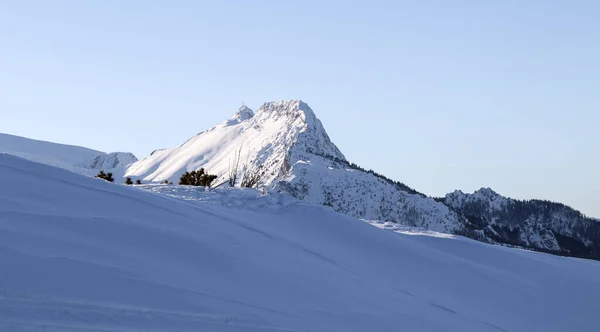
(81, 254)
(298, 158)
(73, 158)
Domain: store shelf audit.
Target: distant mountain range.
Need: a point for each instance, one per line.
(288, 146)
(535, 224)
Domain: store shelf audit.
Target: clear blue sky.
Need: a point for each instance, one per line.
(437, 94)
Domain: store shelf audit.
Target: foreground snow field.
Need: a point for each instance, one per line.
(80, 254)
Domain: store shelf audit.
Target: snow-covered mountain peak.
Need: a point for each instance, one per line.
(279, 135)
(242, 114)
(293, 112)
(456, 193)
(297, 117)
(486, 192)
(485, 196)
(294, 107)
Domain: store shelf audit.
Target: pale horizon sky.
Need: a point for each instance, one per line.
(439, 95)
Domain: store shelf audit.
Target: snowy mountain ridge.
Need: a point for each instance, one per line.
(73, 158)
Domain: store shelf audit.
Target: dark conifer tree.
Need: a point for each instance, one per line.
(197, 178)
(109, 177)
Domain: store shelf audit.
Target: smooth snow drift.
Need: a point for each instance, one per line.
(81, 254)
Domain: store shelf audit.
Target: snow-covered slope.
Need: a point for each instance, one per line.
(73, 158)
(297, 157)
(81, 254)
